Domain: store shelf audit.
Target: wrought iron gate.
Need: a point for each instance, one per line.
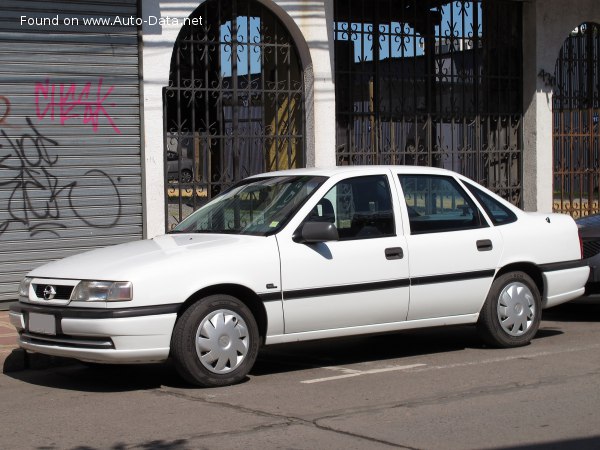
(576, 132)
(234, 106)
(432, 82)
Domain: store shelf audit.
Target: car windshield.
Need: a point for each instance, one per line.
(257, 206)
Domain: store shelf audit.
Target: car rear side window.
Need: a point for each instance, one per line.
(500, 214)
(438, 204)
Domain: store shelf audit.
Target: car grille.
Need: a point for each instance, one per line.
(62, 292)
(591, 248)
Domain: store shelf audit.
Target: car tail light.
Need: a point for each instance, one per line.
(580, 247)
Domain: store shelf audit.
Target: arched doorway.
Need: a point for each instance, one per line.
(234, 106)
(576, 132)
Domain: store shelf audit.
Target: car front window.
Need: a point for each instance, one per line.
(259, 206)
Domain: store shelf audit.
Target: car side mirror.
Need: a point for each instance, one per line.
(315, 232)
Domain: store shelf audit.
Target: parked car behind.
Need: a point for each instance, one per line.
(589, 230)
(307, 254)
(179, 170)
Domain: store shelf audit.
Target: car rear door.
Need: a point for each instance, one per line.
(454, 251)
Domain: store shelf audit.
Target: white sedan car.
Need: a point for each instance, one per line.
(307, 254)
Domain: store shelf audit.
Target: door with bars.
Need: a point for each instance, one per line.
(234, 106)
(434, 83)
(576, 131)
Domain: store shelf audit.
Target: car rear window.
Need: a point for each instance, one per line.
(498, 213)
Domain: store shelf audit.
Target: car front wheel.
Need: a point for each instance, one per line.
(215, 342)
(511, 314)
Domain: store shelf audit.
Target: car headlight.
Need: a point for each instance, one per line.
(24, 287)
(103, 291)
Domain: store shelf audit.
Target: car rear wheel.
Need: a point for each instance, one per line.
(215, 342)
(511, 314)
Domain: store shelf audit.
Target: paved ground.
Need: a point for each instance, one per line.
(426, 389)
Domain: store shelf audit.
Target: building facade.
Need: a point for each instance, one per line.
(119, 119)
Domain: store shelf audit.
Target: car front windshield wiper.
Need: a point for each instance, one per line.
(215, 231)
(211, 231)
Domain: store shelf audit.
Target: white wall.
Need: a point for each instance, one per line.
(310, 21)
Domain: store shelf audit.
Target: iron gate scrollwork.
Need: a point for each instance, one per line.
(432, 82)
(234, 105)
(576, 132)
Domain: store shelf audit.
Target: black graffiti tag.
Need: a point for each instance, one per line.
(27, 168)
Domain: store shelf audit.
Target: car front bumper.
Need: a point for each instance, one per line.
(123, 335)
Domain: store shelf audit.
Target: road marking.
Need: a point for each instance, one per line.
(350, 373)
(341, 369)
(511, 358)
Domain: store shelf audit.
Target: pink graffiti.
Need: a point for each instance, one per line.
(4, 108)
(69, 102)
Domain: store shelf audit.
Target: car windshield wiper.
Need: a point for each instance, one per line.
(216, 231)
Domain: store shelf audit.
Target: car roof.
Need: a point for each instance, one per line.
(336, 170)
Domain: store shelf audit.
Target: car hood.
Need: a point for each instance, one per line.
(128, 261)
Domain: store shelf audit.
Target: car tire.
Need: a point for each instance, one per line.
(215, 342)
(511, 314)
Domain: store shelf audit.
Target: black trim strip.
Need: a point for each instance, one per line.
(364, 287)
(564, 265)
(61, 340)
(270, 297)
(434, 279)
(346, 289)
(102, 313)
(96, 313)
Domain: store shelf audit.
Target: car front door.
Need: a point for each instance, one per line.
(454, 252)
(360, 279)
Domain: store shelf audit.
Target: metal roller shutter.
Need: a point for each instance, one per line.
(70, 165)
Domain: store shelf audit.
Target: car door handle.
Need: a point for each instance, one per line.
(394, 253)
(484, 245)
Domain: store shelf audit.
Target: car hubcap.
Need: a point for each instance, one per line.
(222, 341)
(516, 308)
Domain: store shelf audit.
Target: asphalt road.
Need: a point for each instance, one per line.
(427, 389)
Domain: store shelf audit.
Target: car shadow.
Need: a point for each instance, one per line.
(103, 378)
(581, 310)
(271, 360)
(362, 349)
